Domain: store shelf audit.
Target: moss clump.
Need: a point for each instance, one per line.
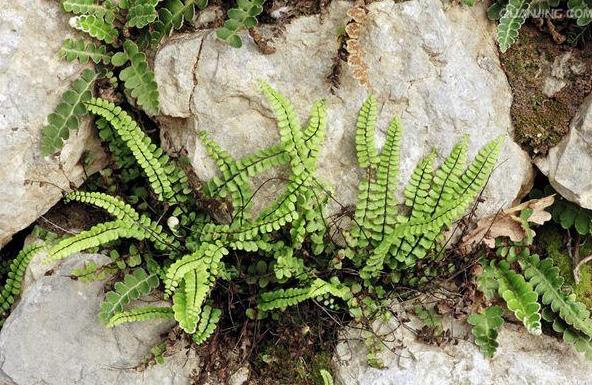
(551, 240)
(541, 121)
(279, 366)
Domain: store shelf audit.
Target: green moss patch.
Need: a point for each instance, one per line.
(541, 121)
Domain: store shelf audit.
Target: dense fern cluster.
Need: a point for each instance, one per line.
(534, 291)
(117, 36)
(288, 240)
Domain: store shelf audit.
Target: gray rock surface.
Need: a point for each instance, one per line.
(521, 359)
(436, 68)
(32, 80)
(53, 337)
(568, 164)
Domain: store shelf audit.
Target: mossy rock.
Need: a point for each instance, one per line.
(551, 240)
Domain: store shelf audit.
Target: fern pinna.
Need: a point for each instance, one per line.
(198, 249)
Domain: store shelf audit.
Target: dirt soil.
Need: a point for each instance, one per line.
(541, 121)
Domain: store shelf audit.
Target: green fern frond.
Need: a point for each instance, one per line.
(243, 16)
(264, 159)
(141, 13)
(67, 114)
(486, 327)
(283, 298)
(544, 276)
(16, 273)
(197, 286)
(365, 134)
(511, 21)
(291, 135)
(140, 314)
(113, 205)
(172, 15)
(90, 7)
(180, 310)
(382, 209)
(83, 51)
(126, 213)
(326, 377)
(419, 186)
(205, 259)
(155, 164)
(138, 78)
(207, 324)
(448, 177)
(487, 282)
(454, 195)
(134, 285)
(97, 27)
(520, 297)
(235, 182)
(315, 129)
(583, 10)
(124, 161)
(581, 341)
(97, 235)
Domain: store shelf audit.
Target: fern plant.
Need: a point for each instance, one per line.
(16, 273)
(534, 292)
(196, 250)
(84, 51)
(67, 114)
(486, 326)
(513, 13)
(243, 16)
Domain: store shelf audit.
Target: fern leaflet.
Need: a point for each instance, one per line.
(67, 114)
(486, 326)
(140, 314)
(133, 286)
(83, 51)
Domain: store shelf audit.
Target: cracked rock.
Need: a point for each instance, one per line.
(568, 164)
(54, 337)
(521, 358)
(436, 68)
(32, 80)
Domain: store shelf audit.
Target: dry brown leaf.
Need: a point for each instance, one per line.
(353, 30)
(507, 223)
(358, 13)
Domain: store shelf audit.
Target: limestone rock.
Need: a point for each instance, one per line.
(568, 164)
(54, 337)
(436, 68)
(32, 80)
(521, 358)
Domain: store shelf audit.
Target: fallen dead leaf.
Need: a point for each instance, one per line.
(507, 223)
